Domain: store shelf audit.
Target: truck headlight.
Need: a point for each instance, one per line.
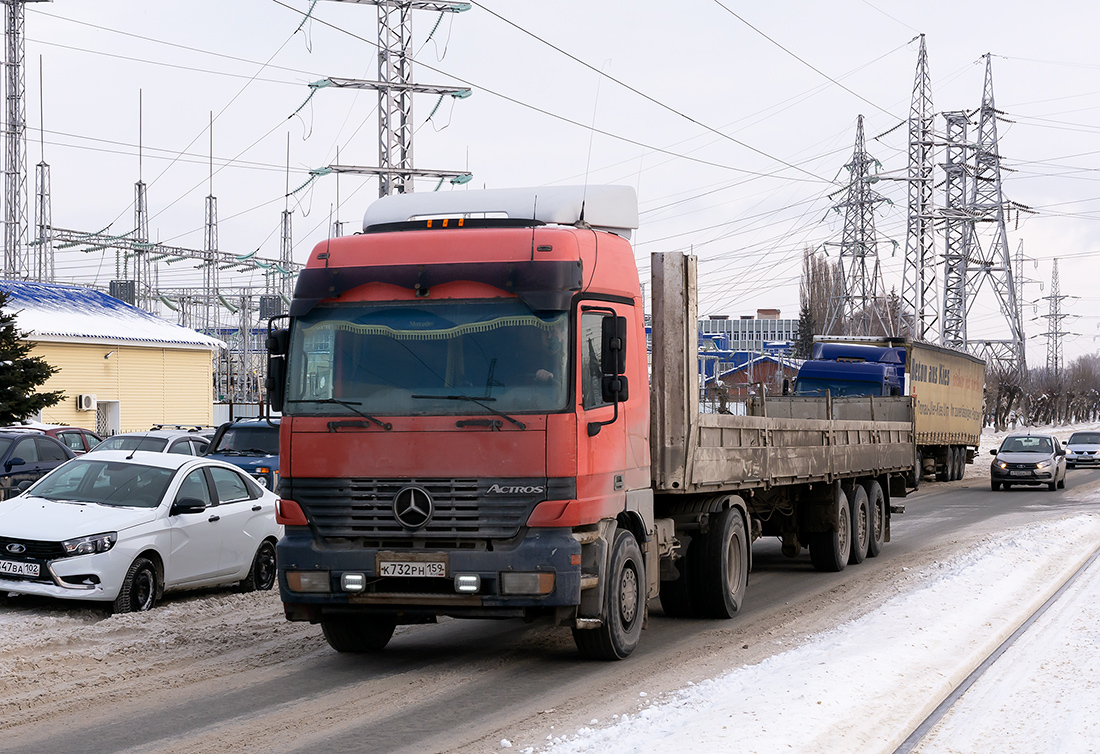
(89, 545)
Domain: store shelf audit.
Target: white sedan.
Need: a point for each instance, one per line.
(124, 526)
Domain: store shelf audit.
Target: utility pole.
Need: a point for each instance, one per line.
(42, 264)
(919, 313)
(395, 88)
(17, 257)
(858, 295)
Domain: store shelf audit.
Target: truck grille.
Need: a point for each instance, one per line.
(363, 509)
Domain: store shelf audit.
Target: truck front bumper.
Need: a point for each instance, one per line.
(540, 569)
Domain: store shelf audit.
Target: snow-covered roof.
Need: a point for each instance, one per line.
(55, 312)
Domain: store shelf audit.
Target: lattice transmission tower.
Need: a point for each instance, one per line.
(1055, 333)
(859, 296)
(986, 207)
(919, 313)
(18, 259)
(396, 88)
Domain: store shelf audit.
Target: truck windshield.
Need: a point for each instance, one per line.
(414, 358)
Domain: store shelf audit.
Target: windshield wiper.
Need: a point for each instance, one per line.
(348, 404)
(478, 401)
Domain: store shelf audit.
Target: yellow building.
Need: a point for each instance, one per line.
(121, 369)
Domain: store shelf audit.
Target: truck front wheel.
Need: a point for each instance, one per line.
(829, 550)
(358, 633)
(725, 571)
(624, 598)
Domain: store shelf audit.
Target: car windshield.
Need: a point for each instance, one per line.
(115, 483)
(253, 438)
(428, 357)
(1077, 438)
(133, 442)
(1027, 445)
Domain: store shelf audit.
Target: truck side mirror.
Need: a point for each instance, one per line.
(614, 388)
(613, 356)
(275, 383)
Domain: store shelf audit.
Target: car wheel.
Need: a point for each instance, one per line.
(995, 485)
(1062, 483)
(139, 590)
(261, 576)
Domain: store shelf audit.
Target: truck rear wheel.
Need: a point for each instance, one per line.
(877, 505)
(960, 454)
(829, 550)
(861, 525)
(624, 605)
(725, 566)
(358, 633)
(945, 468)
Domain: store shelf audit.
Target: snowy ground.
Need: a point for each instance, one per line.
(864, 685)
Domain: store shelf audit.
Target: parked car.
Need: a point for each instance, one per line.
(252, 444)
(123, 527)
(186, 442)
(1028, 459)
(26, 457)
(78, 439)
(1083, 449)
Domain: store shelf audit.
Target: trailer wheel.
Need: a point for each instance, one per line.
(917, 473)
(945, 471)
(877, 505)
(861, 525)
(961, 455)
(829, 550)
(725, 566)
(624, 605)
(358, 633)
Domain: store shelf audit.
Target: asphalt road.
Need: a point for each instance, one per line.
(464, 685)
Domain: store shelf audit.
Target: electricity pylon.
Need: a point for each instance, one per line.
(1054, 331)
(859, 295)
(919, 313)
(993, 265)
(395, 87)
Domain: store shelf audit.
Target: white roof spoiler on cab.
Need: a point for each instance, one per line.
(609, 208)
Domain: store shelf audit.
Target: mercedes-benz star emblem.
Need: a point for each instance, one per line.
(413, 507)
(15, 548)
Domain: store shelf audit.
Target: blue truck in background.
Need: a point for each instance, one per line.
(946, 386)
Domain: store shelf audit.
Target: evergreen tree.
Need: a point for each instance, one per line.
(804, 344)
(20, 373)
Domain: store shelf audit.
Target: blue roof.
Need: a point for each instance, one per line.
(52, 311)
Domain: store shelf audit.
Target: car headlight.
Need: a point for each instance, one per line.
(1002, 465)
(261, 480)
(1043, 465)
(92, 544)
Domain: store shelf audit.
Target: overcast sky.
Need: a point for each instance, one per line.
(732, 120)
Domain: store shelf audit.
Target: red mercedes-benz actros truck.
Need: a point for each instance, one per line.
(473, 427)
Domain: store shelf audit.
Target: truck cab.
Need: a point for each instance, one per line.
(852, 369)
(459, 436)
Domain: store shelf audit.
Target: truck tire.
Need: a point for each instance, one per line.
(861, 525)
(624, 605)
(358, 634)
(945, 467)
(677, 595)
(877, 504)
(917, 474)
(829, 550)
(961, 455)
(725, 566)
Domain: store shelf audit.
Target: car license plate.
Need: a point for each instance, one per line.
(19, 569)
(1020, 473)
(417, 569)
